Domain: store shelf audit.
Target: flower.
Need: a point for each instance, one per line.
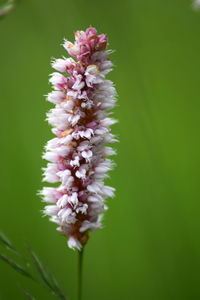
(196, 4)
(81, 123)
(7, 7)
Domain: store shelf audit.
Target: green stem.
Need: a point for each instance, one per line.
(80, 273)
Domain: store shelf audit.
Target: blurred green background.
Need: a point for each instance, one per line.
(150, 246)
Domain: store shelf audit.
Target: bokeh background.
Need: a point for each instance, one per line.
(150, 246)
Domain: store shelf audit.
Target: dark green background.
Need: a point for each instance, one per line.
(150, 246)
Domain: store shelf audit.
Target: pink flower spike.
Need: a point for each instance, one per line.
(81, 122)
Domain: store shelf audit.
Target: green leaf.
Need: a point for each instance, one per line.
(41, 270)
(28, 295)
(47, 278)
(16, 266)
(6, 242)
(57, 289)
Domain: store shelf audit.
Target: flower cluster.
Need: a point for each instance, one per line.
(78, 155)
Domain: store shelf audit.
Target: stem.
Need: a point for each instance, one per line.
(80, 272)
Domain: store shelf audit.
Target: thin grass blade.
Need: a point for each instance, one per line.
(28, 295)
(41, 270)
(16, 266)
(58, 290)
(47, 278)
(4, 240)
